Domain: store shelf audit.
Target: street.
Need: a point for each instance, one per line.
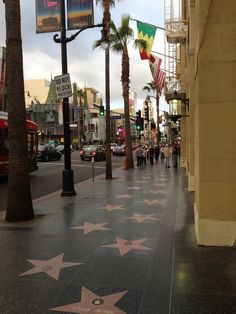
(48, 178)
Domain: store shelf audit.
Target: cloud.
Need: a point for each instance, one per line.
(42, 56)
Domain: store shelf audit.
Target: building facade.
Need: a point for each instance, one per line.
(206, 89)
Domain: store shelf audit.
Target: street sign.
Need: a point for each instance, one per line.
(115, 117)
(63, 86)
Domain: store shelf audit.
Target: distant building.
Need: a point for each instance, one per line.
(36, 91)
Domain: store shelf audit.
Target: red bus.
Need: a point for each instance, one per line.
(32, 133)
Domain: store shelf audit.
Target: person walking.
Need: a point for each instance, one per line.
(139, 154)
(162, 153)
(151, 154)
(157, 152)
(175, 155)
(167, 154)
(144, 156)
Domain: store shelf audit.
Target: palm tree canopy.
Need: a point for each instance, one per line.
(151, 86)
(111, 2)
(121, 36)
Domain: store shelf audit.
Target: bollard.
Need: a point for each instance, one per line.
(92, 160)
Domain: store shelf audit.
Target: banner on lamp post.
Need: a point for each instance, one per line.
(48, 17)
(79, 14)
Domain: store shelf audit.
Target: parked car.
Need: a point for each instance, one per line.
(113, 145)
(119, 150)
(60, 148)
(96, 151)
(47, 153)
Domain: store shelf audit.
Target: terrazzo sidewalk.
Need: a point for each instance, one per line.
(125, 245)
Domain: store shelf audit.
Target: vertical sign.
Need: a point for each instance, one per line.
(79, 13)
(48, 18)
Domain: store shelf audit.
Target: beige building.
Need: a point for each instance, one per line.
(206, 47)
(36, 91)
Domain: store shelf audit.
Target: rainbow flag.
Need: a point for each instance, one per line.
(146, 32)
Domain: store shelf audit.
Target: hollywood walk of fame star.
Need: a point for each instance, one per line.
(51, 267)
(111, 208)
(92, 303)
(141, 218)
(89, 227)
(133, 188)
(123, 196)
(151, 202)
(156, 192)
(124, 246)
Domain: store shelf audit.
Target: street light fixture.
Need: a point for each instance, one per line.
(68, 176)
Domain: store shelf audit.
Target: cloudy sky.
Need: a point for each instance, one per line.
(42, 56)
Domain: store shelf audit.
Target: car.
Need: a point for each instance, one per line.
(96, 151)
(47, 152)
(60, 148)
(119, 150)
(113, 145)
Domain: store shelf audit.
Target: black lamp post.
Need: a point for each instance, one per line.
(68, 176)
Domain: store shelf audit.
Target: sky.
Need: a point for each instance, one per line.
(42, 56)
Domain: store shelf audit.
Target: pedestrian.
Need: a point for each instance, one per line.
(139, 154)
(162, 153)
(175, 155)
(151, 154)
(144, 156)
(156, 152)
(167, 154)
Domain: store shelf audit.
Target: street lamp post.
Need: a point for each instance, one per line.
(68, 176)
(157, 111)
(146, 111)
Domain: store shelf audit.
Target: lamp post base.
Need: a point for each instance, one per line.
(68, 183)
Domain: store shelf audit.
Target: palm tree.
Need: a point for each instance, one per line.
(106, 4)
(119, 40)
(80, 122)
(19, 201)
(151, 86)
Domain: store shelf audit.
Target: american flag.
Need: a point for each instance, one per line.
(155, 68)
(160, 81)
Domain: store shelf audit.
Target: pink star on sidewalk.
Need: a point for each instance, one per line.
(151, 202)
(123, 196)
(133, 188)
(141, 218)
(51, 267)
(92, 303)
(156, 192)
(124, 246)
(111, 208)
(89, 227)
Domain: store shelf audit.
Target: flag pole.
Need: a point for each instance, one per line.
(162, 28)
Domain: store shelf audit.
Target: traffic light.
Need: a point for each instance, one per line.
(102, 111)
(138, 114)
(138, 122)
(146, 113)
(153, 125)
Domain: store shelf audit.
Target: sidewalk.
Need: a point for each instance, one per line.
(125, 245)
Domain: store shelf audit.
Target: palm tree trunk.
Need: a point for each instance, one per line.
(19, 202)
(106, 21)
(125, 85)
